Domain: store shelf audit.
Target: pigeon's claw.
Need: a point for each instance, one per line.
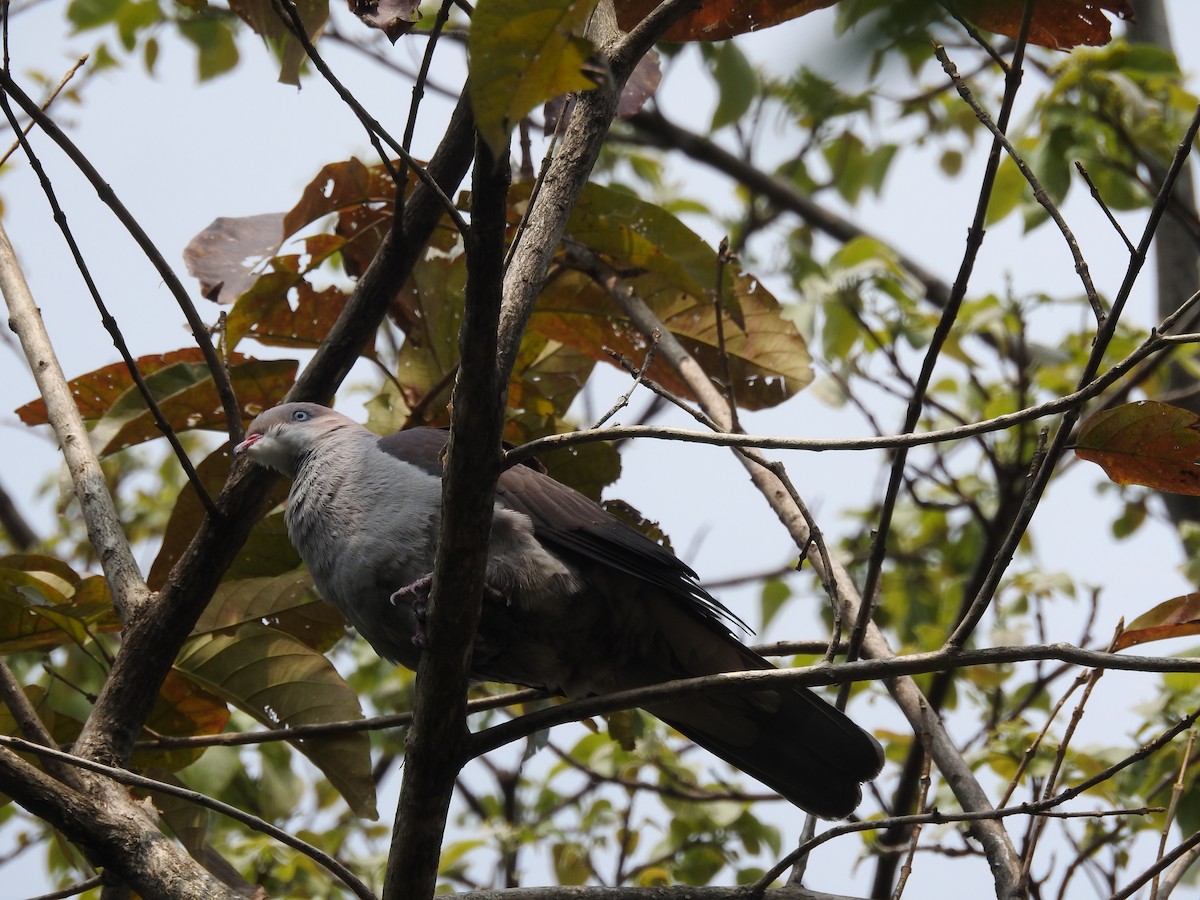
(416, 596)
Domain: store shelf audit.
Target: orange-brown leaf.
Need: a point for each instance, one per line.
(1058, 24)
(96, 391)
(1177, 617)
(1149, 443)
(718, 20)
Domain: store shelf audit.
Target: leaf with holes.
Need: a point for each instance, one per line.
(226, 256)
(1149, 443)
(95, 392)
(188, 399)
(283, 309)
(1057, 24)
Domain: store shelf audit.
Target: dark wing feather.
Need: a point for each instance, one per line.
(571, 523)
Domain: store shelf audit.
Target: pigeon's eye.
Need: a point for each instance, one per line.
(301, 415)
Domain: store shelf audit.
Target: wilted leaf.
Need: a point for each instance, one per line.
(1177, 617)
(362, 197)
(1058, 24)
(523, 53)
(336, 187)
(641, 85)
(226, 254)
(393, 17)
(675, 272)
(1149, 443)
(281, 683)
(718, 20)
(283, 309)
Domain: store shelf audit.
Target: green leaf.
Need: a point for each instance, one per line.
(737, 83)
(44, 604)
(216, 50)
(281, 682)
(523, 53)
(671, 268)
(775, 592)
(284, 603)
(1007, 191)
(85, 14)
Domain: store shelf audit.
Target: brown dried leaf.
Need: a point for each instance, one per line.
(718, 20)
(393, 17)
(1177, 617)
(195, 404)
(97, 391)
(1149, 443)
(225, 255)
(1057, 24)
(285, 310)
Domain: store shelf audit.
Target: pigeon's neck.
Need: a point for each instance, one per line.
(347, 492)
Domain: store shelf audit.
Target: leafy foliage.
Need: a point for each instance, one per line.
(796, 291)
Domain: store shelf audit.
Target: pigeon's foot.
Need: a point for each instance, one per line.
(416, 596)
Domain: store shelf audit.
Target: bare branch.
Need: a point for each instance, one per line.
(129, 590)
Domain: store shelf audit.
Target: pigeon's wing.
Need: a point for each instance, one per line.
(568, 522)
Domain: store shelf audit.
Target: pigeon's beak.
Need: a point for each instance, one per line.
(250, 441)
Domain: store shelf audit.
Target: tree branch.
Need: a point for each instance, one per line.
(437, 739)
(129, 591)
(1000, 851)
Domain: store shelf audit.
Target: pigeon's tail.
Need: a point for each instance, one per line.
(789, 739)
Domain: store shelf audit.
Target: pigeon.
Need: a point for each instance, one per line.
(578, 603)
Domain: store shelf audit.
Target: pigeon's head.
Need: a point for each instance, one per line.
(283, 435)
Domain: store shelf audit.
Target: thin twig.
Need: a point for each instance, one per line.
(639, 378)
(291, 17)
(1039, 192)
(1100, 345)
(1082, 170)
(1177, 789)
(45, 106)
(107, 320)
(170, 279)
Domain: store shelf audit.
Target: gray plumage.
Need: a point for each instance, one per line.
(588, 605)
